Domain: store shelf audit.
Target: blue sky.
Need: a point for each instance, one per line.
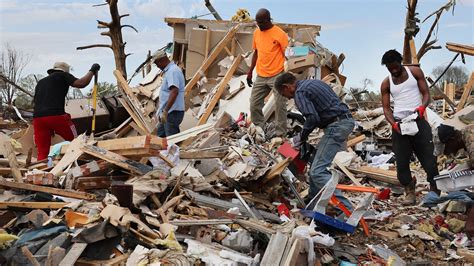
(363, 30)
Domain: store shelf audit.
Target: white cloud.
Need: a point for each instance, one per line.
(457, 25)
(160, 8)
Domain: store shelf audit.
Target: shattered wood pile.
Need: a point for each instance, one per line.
(215, 193)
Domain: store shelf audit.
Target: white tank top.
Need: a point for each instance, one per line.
(406, 96)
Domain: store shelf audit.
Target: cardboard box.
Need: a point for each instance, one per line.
(297, 51)
(301, 63)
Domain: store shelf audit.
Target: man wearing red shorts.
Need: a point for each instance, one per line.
(49, 116)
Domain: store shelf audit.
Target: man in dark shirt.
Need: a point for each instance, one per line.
(49, 115)
(323, 109)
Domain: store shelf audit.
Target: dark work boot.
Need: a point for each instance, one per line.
(434, 188)
(410, 194)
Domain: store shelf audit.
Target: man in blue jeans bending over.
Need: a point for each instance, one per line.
(171, 100)
(321, 108)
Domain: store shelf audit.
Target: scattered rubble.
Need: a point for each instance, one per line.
(219, 192)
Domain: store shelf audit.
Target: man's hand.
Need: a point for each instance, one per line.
(421, 111)
(249, 79)
(396, 127)
(296, 141)
(164, 117)
(94, 68)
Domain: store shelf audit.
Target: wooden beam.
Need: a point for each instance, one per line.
(8, 170)
(71, 155)
(348, 173)
(210, 59)
(29, 256)
(119, 160)
(354, 141)
(9, 153)
(73, 254)
(276, 247)
(387, 176)
(201, 154)
(208, 41)
(55, 191)
(466, 93)
(220, 90)
(276, 170)
(460, 48)
(32, 205)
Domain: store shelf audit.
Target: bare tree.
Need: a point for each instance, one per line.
(114, 32)
(13, 62)
(456, 74)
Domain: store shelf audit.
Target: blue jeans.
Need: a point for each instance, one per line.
(333, 141)
(171, 126)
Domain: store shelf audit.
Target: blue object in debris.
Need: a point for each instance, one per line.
(328, 220)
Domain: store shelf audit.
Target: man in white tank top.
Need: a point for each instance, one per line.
(408, 88)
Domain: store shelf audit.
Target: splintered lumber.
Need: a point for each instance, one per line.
(8, 170)
(138, 145)
(414, 57)
(460, 48)
(201, 222)
(298, 254)
(256, 226)
(354, 141)
(89, 168)
(119, 160)
(135, 108)
(276, 170)
(201, 154)
(187, 134)
(10, 154)
(466, 93)
(387, 176)
(137, 123)
(210, 59)
(225, 205)
(72, 154)
(220, 90)
(29, 256)
(73, 254)
(32, 205)
(347, 173)
(55, 191)
(275, 249)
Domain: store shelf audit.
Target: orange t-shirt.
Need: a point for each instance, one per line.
(270, 45)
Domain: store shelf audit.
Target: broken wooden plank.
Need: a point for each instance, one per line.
(201, 222)
(73, 254)
(210, 59)
(466, 93)
(72, 154)
(32, 205)
(354, 141)
(8, 170)
(55, 191)
(256, 226)
(347, 173)
(9, 153)
(275, 249)
(187, 134)
(29, 256)
(276, 170)
(119, 160)
(460, 48)
(201, 154)
(298, 254)
(220, 90)
(137, 123)
(387, 176)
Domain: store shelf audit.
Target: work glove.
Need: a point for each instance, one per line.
(396, 127)
(94, 68)
(249, 79)
(421, 111)
(296, 141)
(164, 117)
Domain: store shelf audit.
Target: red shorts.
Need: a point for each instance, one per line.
(46, 126)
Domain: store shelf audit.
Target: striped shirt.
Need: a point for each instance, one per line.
(318, 103)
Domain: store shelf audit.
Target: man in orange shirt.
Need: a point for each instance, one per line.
(269, 43)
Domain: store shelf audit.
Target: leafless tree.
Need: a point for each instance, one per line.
(114, 32)
(13, 62)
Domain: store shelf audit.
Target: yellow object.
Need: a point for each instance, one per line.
(170, 242)
(242, 15)
(5, 240)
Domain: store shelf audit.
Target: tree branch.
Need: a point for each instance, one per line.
(104, 4)
(94, 46)
(128, 55)
(425, 44)
(130, 26)
(105, 33)
(103, 23)
(124, 15)
(15, 85)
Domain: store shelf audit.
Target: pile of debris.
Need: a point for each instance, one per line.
(218, 193)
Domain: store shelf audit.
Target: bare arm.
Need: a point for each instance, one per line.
(84, 81)
(385, 91)
(254, 61)
(173, 95)
(422, 86)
